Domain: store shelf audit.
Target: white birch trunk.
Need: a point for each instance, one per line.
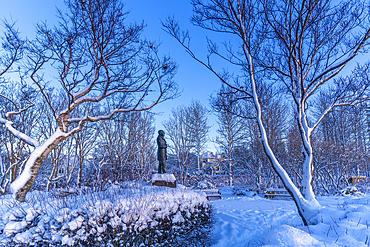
(24, 182)
(79, 176)
(231, 174)
(198, 157)
(307, 209)
(306, 131)
(231, 162)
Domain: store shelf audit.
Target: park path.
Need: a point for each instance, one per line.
(244, 220)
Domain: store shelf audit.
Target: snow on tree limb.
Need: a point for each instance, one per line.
(94, 56)
(9, 125)
(29, 173)
(301, 45)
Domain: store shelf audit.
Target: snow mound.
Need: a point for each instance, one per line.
(350, 190)
(243, 191)
(289, 236)
(203, 185)
(170, 178)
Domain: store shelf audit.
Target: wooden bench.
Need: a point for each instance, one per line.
(277, 193)
(212, 194)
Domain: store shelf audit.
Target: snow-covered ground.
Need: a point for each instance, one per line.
(249, 220)
(256, 221)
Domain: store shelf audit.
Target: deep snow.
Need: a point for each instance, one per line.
(249, 220)
(255, 221)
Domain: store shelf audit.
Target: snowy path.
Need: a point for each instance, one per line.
(243, 221)
(255, 221)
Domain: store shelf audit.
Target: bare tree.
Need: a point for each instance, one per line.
(177, 127)
(339, 145)
(317, 52)
(198, 126)
(301, 45)
(231, 125)
(116, 143)
(84, 141)
(128, 147)
(15, 149)
(143, 157)
(93, 55)
(11, 52)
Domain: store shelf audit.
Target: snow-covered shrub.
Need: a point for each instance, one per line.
(363, 185)
(135, 216)
(243, 191)
(205, 184)
(200, 180)
(350, 190)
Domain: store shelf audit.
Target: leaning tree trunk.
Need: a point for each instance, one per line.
(307, 208)
(24, 182)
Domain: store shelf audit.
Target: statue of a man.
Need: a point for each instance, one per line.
(162, 152)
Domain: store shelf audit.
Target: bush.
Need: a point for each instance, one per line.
(243, 191)
(350, 190)
(119, 216)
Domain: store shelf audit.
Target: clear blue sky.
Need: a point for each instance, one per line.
(195, 81)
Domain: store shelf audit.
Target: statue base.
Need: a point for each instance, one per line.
(166, 180)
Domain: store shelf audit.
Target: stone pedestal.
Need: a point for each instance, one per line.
(167, 180)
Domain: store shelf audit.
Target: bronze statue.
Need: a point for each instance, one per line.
(162, 152)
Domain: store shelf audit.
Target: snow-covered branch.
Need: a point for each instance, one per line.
(95, 57)
(11, 113)
(9, 125)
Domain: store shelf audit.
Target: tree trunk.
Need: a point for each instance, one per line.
(231, 174)
(79, 177)
(305, 132)
(307, 177)
(198, 156)
(51, 177)
(307, 209)
(183, 174)
(13, 172)
(24, 182)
